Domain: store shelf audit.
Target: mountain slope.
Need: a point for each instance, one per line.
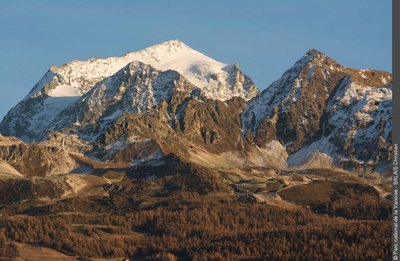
(7, 169)
(34, 159)
(356, 129)
(202, 131)
(318, 100)
(64, 85)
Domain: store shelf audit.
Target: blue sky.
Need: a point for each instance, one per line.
(264, 36)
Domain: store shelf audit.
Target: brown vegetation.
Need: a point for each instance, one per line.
(350, 200)
(202, 230)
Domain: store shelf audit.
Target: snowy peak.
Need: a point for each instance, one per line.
(217, 80)
(161, 54)
(198, 68)
(167, 48)
(77, 77)
(62, 86)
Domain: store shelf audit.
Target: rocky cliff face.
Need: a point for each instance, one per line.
(35, 159)
(355, 128)
(321, 106)
(136, 88)
(196, 129)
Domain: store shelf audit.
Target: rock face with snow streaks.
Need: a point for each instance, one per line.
(320, 110)
(136, 88)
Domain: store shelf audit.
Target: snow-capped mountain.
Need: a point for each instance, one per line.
(169, 98)
(62, 86)
(325, 113)
(218, 80)
(136, 88)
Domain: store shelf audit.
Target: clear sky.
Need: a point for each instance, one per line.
(265, 37)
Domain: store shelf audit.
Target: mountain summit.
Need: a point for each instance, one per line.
(324, 112)
(62, 86)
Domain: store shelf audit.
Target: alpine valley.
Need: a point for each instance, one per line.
(165, 154)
